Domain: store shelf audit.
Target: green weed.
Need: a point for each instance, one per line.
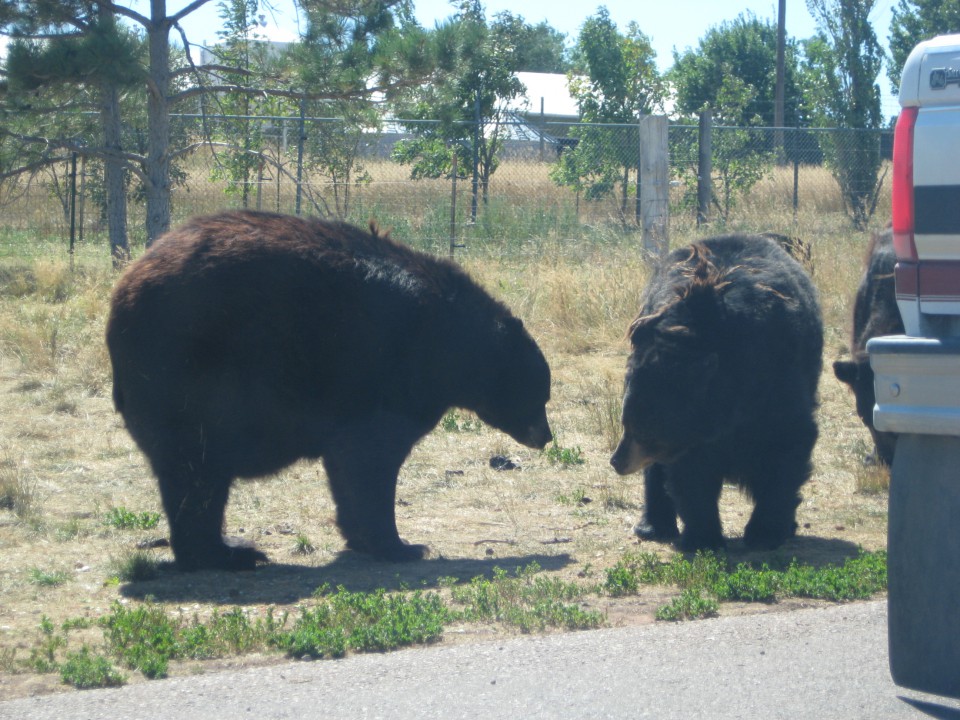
(8, 660)
(605, 413)
(137, 566)
(577, 497)
(229, 633)
(566, 457)
(621, 580)
(123, 519)
(708, 573)
(143, 638)
(44, 578)
(69, 530)
(365, 622)
(43, 656)
(303, 546)
(78, 623)
(147, 638)
(456, 422)
(16, 491)
(528, 601)
(84, 670)
(690, 605)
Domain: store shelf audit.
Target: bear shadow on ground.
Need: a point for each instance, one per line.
(282, 583)
(806, 549)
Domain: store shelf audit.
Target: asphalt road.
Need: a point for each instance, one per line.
(823, 663)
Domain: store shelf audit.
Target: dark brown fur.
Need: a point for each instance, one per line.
(721, 386)
(875, 313)
(243, 341)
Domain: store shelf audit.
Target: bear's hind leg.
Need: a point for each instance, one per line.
(776, 490)
(773, 520)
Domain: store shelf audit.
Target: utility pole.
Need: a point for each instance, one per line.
(778, 115)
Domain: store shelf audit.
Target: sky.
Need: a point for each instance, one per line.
(671, 24)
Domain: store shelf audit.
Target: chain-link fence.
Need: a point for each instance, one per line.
(543, 180)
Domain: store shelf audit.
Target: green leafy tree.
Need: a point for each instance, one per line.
(364, 65)
(69, 57)
(842, 66)
(913, 21)
(333, 151)
(738, 159)
(732, 72)
(747, 49)
(369, 42)
(615, 81)
(466, 113)
(243, 58)
(538, 48)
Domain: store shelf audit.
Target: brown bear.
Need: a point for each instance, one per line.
(721, 385)
(243, 341)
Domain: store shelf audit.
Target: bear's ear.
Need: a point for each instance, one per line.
(677, 332)
(642, 328)
(846, 371)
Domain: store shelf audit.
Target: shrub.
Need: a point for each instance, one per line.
(84, 670)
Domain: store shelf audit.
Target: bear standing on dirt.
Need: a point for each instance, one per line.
(244, 341)
(721, 385)
(875, 313)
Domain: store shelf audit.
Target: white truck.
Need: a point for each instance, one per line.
(917, 375)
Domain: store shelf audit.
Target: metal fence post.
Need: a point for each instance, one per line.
(476, 157)
(73, 204)
(796, 171)
(453, 203)
(638, 205)
(301, 139)
(705, 167)
(543, 129)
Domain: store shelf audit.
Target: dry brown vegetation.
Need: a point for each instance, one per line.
(66, 461)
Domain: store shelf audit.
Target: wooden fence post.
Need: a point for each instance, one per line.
(655, 188)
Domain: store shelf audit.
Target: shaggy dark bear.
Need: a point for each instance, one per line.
(721, 385)
(244, 341)
(875, 313)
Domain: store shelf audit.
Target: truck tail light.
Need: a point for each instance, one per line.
(903, 215)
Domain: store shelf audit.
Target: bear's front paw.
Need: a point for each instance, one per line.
(646, 530)
(761, 536)
(398, 551)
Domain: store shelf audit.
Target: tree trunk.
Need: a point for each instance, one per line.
(114, 175)
(114, 171)
(158, 123)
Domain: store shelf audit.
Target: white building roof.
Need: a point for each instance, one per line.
(552, 88)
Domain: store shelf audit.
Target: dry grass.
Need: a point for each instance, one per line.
(66, 460)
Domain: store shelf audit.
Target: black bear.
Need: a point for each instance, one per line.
(798, 249)
(244, 341)
(721, 384)
(875, 313)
